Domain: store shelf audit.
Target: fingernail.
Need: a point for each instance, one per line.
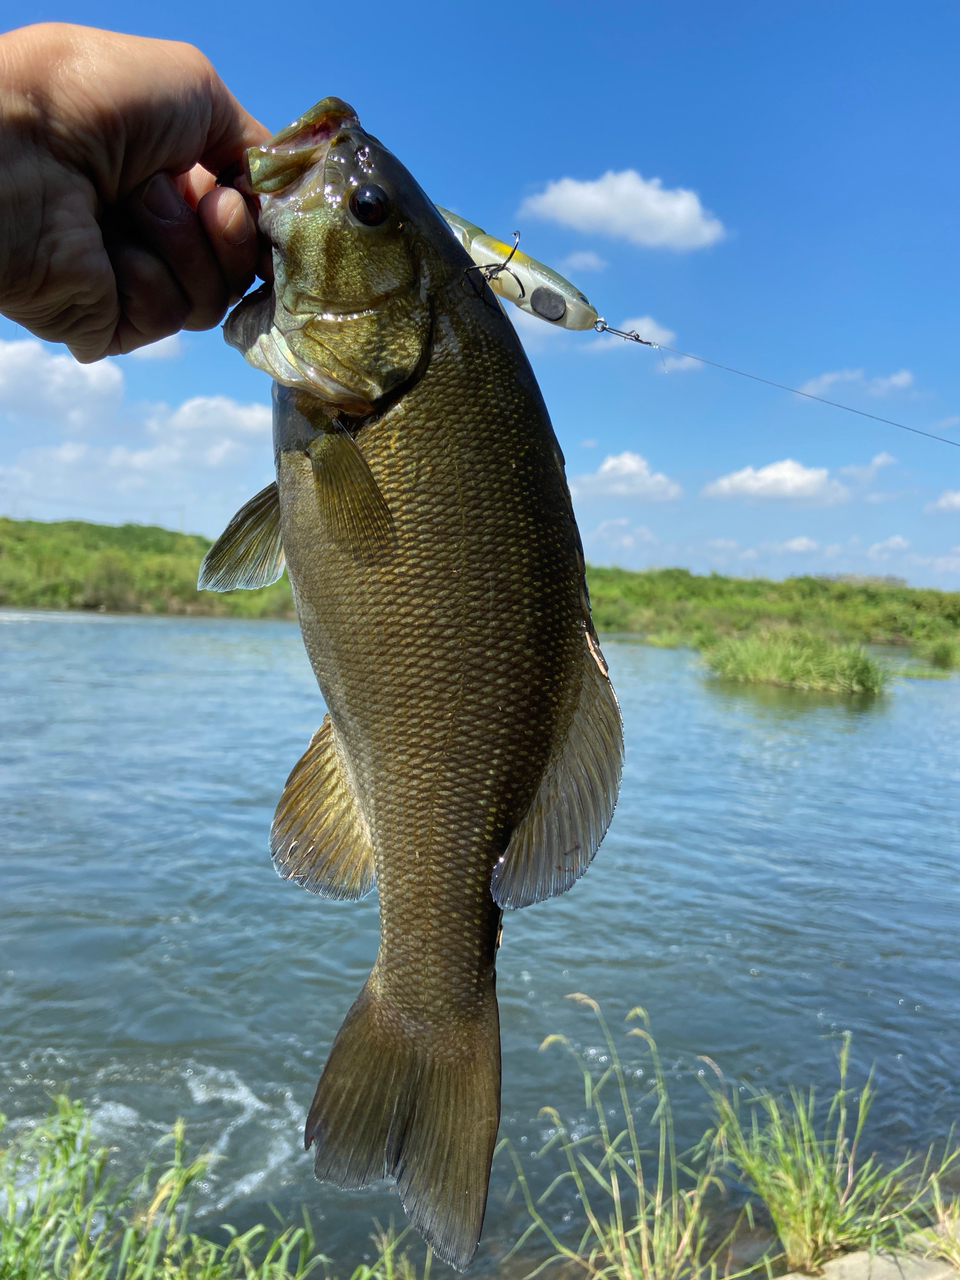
(237, 228)
(162, 198)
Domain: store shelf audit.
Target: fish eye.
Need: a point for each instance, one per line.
(370, 205)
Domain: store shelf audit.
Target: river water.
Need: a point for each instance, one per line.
(781, 869)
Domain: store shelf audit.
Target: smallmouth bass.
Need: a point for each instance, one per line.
(471, 757)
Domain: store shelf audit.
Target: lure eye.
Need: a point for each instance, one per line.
(370, 205)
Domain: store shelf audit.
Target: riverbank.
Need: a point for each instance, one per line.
(127, 568)
(676, 606)
(815, 1203)
(144, 569)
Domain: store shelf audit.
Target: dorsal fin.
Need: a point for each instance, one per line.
(557, 838)
(320, 837)
(249, 552)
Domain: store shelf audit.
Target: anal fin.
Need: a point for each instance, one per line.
(557, 838)
(320, 837)
(249, 552)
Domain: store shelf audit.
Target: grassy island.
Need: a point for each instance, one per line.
(143, 569)
(797, 660)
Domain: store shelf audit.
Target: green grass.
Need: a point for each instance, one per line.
(824, 1195)
(941, 1237)
(944, 654)
(645, 1213)
(637, 1223)
(63, 1217)
(797, 660)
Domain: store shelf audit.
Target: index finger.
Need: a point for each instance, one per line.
(232, 129)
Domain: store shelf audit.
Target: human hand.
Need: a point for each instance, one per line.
(113, 232)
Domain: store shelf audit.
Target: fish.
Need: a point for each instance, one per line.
(470, 759)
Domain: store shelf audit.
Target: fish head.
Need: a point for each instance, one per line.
(358, 249)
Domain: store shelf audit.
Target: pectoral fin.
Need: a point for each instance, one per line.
(249, 552)
(320, 837)
(354, 512)
(557, 838)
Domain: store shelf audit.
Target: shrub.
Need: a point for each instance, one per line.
(797, 660)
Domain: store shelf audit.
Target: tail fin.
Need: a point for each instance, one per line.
(422, 1105)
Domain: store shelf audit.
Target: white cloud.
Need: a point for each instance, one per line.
(676, 364)
(583, 260)
(646, 327)
(70, 452)
(865, 475)
(617, 535)
(949, 563)
(213, 415)
(204, 457)
(949, 500)
(132, 466)
(722, 552)
(209, 431)
(882, 551)
(796, 546)
(857, 379)
(629, 207)
(38, 383)
(787, 480)
(625, 475)
(165, 349)
(876, 498)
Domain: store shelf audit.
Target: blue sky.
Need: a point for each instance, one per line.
(784, 200)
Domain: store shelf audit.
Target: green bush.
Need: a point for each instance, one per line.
(944, 654)
(797, 660)
(125, 569)
(701, 609)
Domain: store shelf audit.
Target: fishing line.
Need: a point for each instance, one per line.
(632, 336)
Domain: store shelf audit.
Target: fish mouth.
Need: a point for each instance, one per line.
(301, 145)
(300, 308)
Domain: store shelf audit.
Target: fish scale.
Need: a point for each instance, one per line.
(471, 757)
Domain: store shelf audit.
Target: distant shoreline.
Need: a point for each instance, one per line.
(146, 570)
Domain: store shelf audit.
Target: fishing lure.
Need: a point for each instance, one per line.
(532, 286)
